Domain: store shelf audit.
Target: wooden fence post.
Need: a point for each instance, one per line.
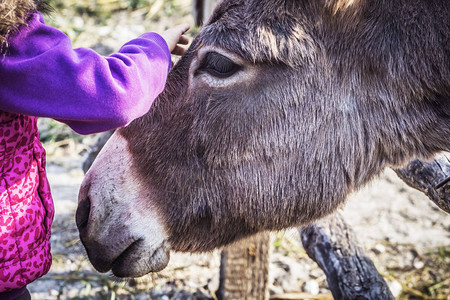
(202, 10)
(244, 269)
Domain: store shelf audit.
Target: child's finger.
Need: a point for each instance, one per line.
(184, 27)
(184, 40)
(178, 50)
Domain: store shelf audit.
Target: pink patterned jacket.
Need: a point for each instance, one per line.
(26, 206)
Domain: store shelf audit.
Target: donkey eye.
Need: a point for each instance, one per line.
(218, 65)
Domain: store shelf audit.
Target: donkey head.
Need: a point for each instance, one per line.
(277, 111)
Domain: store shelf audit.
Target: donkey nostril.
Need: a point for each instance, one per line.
(82, 215)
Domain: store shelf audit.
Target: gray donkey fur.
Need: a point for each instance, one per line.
(329, 94)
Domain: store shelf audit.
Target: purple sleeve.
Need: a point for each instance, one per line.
(42, 75)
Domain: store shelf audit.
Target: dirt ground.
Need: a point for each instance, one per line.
(404, 233)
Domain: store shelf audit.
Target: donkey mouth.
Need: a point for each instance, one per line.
(138, 260)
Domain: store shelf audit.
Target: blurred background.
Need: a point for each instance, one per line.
(404, 233)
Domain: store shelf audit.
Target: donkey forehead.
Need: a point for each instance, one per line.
(261, 31)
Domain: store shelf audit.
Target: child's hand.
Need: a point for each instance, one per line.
(174, 38)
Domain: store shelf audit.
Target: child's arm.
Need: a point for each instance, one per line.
(43, 76)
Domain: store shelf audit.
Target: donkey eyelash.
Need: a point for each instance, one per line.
(218, 65)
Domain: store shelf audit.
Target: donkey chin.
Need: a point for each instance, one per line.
(113, 229)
